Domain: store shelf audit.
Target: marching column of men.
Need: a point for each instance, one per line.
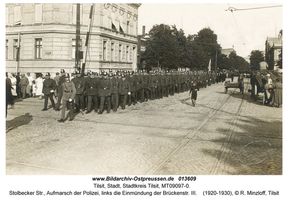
(103, 91)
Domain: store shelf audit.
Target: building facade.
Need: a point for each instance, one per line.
(227, 51)
(42, 37)
(273, 48)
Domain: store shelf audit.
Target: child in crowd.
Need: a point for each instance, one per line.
(34, 88)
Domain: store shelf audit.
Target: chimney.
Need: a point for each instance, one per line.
(143, 30)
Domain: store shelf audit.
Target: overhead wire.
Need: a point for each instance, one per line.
(233, 9)
(239, 30)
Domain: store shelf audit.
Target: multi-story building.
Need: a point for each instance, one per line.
(273, 48)
(227, 51)
(42, 37)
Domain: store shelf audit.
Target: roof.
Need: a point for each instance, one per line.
(274, 41)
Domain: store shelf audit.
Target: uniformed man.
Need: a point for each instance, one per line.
(124, 91)
(68, 91)
(104, 93)
(91, 88)
(146, 86)
(49, 87)
(132, 79)
(79, 83)
(59, 91)
(114, 92)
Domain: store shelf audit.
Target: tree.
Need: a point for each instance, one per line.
(223, 62)
(162, 47)
(205, 47)
(256, 57)
(169, 48)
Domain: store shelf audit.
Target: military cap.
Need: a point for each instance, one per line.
(67, 75)
(62, 71)
(47, 74)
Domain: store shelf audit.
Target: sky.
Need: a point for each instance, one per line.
(245, 30)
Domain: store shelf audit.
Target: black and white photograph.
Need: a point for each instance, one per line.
(147, 89)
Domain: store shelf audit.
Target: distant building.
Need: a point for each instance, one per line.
(41, 37)
(227, 51)
(273, 48)
(141, 48)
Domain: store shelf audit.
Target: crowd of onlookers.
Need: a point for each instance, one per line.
(21, 86)
(269, 85)
(26, 85)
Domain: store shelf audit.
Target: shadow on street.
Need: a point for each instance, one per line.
(255, 148)
(18, 121)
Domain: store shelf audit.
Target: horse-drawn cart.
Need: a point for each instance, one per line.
(234, 82)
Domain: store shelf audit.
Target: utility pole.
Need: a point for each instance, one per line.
(91, 17)
(18, 53)
(77, 52)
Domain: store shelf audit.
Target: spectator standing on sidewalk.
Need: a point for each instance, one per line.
(9, 96)
(18, 88)
(277, 98)
(29, 86)
(23, 85)
(39, 86)
(34, 88)
(13, 82)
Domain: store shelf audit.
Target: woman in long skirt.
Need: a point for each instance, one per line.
(39, 86)
(9, 96)
(13, 82)
(277, 98)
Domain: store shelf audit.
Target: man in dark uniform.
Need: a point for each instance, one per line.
(132, 79)
(79, 83)
(124, 90)
(114, 92)
(91, 88)
(104, 93)
(49, 87)
(145, 86)
(59, 90)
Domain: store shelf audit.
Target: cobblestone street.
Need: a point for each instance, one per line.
(223, 134)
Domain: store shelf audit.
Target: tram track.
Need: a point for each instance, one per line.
(187, 138)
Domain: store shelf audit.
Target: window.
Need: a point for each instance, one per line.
(121, 29)
(15, 48)
(38, 13)
(6, 49)
(113, 27)
(127, 53)
(104, 49)
(74, 47)
(38, 48)
(127, 27)
(112, 51)
(120, 51)
(17, 15)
